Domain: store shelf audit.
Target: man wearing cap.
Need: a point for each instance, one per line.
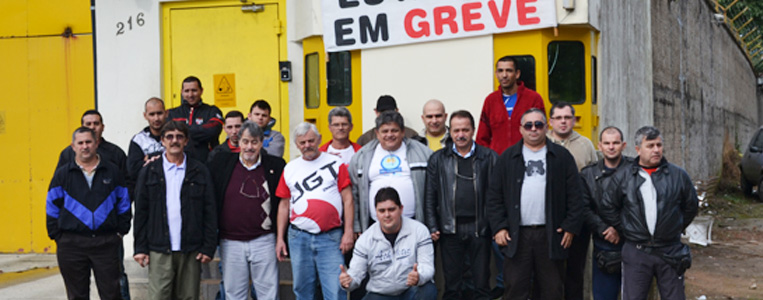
(386, 103)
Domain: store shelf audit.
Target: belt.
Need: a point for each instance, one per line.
(536, 226)
(305, 231)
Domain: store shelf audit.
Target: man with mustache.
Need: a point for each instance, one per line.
(389, 161)
(562, 123)
(175, 218)
(456, 194)
(316, 213)
(88, 210)
(650, 203)
(245, 185)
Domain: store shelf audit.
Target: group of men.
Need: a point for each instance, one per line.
(382, 204)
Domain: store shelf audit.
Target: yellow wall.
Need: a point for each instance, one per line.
(535, 42)
(319, 115)
(47, 79)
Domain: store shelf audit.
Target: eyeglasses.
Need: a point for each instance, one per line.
(558, 118)
(178, 137)
(537, 125)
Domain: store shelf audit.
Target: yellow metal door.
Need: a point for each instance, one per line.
(536, 47)
(237, 47)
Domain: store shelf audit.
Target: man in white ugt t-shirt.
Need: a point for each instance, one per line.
(316, 199)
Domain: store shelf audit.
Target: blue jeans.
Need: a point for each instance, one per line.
(605, 286)
(316, 254)
(427, 291)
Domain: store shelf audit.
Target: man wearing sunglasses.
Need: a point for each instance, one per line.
(534, 209)
(175, 218)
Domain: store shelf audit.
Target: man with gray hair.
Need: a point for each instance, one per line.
(317, 212)
(389, 160)
(340, 125)
(652, 201)
(247, 207)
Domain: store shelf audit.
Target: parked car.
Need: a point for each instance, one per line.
(751, 166)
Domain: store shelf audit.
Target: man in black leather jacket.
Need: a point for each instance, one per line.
(454, 207)
(596, 178)
(650, 203)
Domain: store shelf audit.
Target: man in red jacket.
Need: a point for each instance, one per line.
(503, 109)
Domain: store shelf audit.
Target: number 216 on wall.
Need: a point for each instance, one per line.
(138, 21)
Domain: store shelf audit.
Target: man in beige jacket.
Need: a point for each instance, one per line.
(562, 120)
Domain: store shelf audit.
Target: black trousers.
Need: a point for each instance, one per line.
(576, 264)
(533, 257)
(458, 249)
(78, 254)
(640, 267)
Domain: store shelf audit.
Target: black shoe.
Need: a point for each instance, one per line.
(496, 293)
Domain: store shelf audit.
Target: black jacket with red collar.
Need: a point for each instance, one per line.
(677, 204)
(205, 122)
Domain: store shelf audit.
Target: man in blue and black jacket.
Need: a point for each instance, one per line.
(88, 211)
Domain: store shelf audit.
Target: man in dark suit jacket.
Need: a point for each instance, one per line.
(534, 209)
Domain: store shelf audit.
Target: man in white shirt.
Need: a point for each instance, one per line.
(316, 213)
(396, 254)
(389, 161)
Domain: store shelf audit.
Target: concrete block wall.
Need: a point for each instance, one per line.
(625, 68)
(703, 86)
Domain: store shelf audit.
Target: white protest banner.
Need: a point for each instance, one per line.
(361, 24)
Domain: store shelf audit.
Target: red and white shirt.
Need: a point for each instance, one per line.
(313, 189)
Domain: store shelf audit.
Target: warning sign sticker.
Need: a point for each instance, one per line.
(225, 90)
